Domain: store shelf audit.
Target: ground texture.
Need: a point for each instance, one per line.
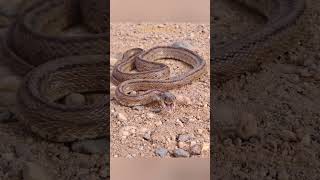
(266, 124)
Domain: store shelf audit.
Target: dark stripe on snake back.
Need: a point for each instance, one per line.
(152, 84)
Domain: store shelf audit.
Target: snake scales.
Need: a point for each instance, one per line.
(63, 63)
(60, 64)
(284, 30)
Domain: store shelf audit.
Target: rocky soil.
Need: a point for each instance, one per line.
(266, 124)
(146, 131)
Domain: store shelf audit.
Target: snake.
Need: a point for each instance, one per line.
(153, 78)
(54, 64)
(283, 31)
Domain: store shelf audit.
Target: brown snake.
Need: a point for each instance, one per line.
(152, 77)
(61, 64)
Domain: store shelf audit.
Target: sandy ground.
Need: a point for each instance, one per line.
(143, 131)
(277, 134)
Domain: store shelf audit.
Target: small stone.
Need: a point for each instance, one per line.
(287, 135)
(184, 138)
(75, 99)
(184, 120)
(192, 143)
(127, 130)
(182, 44)
(162, 152)
(205, 147)
(283, 175)
(121, 117)
(33, 171)
(179, 123)
(195, 150)
(6, 117)
(10, 83)
(113, 61)
(182, 145)
(247, 126)
(158, 123)
(180, 153)
(147, 135)
(97, 146)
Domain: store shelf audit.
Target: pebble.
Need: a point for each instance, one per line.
(162, 152)
(182, 145)
(247, 126)
(33, 171)
(113, 61)
(195, 149)
(147, 135)
(10, 83)
(6, 117)
(184, 137)
(158, 123)
(179, 123)
(96, 146)
(287, 135)
(75, 99)
(121, 117)
(182, 44)
(205, 147)
(180, 153)
(127, 130)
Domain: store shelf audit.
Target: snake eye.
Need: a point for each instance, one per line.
(168, 98)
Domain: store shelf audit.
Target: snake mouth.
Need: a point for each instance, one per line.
(169, 106)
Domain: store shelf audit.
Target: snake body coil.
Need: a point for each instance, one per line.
(280, 32)
(61, 64)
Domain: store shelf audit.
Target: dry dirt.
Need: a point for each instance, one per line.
(266, 124)
(142, 131)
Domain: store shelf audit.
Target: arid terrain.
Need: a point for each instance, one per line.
(145, 131)
(266, 124)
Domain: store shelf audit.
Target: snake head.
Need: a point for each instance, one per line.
(167, 100)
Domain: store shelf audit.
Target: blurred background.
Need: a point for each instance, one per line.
(160, 11)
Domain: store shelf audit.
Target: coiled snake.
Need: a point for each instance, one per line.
(62, 64)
